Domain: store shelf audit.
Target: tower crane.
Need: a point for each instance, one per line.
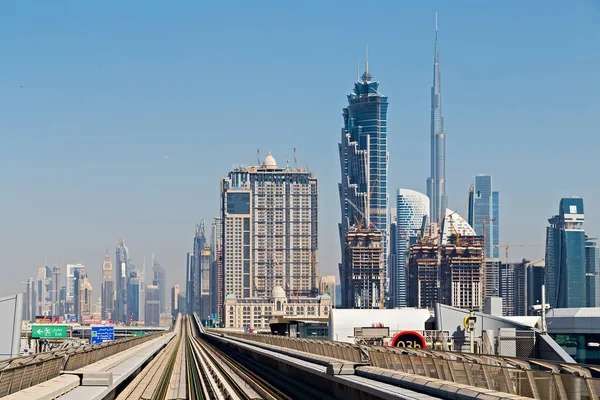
(507, 245)
(359, 223)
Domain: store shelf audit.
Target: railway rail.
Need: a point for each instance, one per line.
(191, 367)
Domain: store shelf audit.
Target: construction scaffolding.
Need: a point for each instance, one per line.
(451, 273)
(364, 274)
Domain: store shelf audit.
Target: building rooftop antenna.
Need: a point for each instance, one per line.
(258, 156)
(295, 159)
(367, 62)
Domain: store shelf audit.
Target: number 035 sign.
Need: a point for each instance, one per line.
(409, 339)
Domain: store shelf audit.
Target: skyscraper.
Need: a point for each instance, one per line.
(363, 287)
(83, 294)
(70, 286)
(30, 300)
(513, 288)
(535, 279)
(412, 211)
(196, 269)
(121, 259)
(216, 273)
(135, 296)
(54, 305)
(270, 242)
(41, 304)
(189, 284)
(152, 317)
(270, 226)
(484, 213)
(448, 268)
(174, 300)
(205, 261)
(592, 272)
(160, 280)
(436, 183)
(108, 288)
(565, 256)
(364, 163)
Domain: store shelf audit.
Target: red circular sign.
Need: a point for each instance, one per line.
(409, 339)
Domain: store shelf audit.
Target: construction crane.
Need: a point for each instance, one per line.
(507, 245)
(359, 223)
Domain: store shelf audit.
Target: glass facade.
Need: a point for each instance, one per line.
(484, 213)
(565, 256)
(513, 288)
(364, 162)
(238, 203)
(436, 183)
(412, 208)
(592, 272)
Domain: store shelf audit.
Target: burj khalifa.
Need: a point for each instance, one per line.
(436, 183)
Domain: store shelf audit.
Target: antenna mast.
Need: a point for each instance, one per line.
(295, 159)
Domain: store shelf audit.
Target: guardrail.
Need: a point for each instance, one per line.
(531, 378)
(20, 373)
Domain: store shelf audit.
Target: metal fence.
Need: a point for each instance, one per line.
(20, 373)
(529, 378)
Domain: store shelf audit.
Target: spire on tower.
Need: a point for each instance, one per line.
(367, 61)
(366, 76)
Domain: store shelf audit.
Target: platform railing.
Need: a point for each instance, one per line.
(530, 378)
(21, 373)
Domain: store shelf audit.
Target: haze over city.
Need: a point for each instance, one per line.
(119, 119)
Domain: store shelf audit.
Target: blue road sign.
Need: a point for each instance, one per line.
(102, 334)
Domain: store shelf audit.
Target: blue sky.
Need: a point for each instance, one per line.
(93, 96)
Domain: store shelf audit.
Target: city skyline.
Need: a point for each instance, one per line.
(141, 216)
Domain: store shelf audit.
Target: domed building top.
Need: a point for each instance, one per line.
(269, 162)
(278, 292)
(230, 296)
(325, 297)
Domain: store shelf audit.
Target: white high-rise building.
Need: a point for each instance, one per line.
(269, 241)
(41, 303)
(412, 211)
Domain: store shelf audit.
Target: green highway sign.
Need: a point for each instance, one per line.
(48, 331)
(138, 333)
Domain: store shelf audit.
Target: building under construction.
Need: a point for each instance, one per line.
(449, 268)
(363, 285)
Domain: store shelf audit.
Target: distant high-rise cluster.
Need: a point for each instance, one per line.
(121, 298)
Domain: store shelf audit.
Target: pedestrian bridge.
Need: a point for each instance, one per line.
(190, 362)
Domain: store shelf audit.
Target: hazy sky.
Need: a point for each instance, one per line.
(117, 118)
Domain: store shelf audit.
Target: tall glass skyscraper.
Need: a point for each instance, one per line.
(364, 162)
(565, 256)
(122, 274)
(592, 272)
(412, 208)
(484, 213)
(436, 183)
